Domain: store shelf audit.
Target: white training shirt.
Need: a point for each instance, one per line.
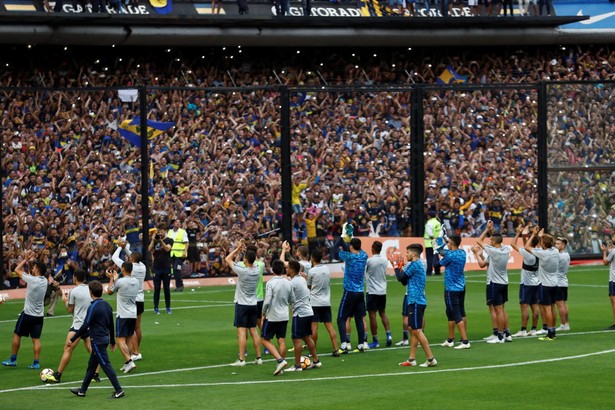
(80, 298)
(318, 280)
(278, 295)
(547, 269)
(247, 280)
(301, 297)
(376, 275)
(497, 259)
(126, 288)
(562, 269)
(138, 271)
(34, 304)
(610, 257)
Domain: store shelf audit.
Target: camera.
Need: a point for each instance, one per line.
(158, 237)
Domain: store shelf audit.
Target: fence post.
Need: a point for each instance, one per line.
(543, 166)
(286, 171)
(417, 161)
(144, 176)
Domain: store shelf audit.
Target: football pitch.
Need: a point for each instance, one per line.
(186, 356)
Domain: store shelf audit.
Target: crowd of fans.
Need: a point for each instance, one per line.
(71, 182)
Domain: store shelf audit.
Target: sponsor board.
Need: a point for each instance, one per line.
(390, 245)
(601, 14)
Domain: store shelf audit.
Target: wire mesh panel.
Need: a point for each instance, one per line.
(480, 158)
(581, 163)
(72, 179)
(350, 156)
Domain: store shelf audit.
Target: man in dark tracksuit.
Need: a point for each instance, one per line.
(99, 322)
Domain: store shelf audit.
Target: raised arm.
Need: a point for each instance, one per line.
(516, 238)
(478, 251)
(481, 240)
(535, 232)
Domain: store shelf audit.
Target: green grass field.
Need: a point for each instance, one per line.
(186, 356)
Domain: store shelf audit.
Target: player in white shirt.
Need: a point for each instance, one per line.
(608, 258)
(30, 322)
(302, 317)
(562, 284)
(138, 272)
(318, 281)
(77, 302)
(127, 289)
(376, 279)
(530, 285)
(548, 258)
(278, 295)
(246, 310)
(497, 281)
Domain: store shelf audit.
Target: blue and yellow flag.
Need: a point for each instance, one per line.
(131, 130)
(450, 76)
(162, 6)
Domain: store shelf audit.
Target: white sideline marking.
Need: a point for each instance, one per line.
(359, 376)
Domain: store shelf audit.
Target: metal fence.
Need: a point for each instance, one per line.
(82, 168)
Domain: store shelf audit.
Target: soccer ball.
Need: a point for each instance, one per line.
(45, 374)
(305, 362)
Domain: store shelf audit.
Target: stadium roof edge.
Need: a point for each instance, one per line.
(125, 30)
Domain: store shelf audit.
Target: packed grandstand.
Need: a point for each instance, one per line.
(71, 180)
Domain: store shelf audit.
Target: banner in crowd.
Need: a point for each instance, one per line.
(399, 244)
(364, 8)
(601, 12)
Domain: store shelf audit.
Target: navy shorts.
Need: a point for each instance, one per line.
(259, 308)
(497, 294)
(611, 288)
(561, 294)
(29, 326)
(376, 302)
(404, 306)
(245, 316)
(528, 295)
(322, 314)
(352, 304)
(140, 308)
(454, 300)
(274, 330)
(547, 295)
(302, 327)
(86, 335)
(416, 313)
(125, 327)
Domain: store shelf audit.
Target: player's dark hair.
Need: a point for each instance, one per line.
(277, 266)
(317, 255)
(136, 257)
(416, 247)
(79, 275)
(127, 267)
(496, 238)
(355, 243)
(563, 240)
(547, 241)
(40, 266)
(294, 266)
(456, 239)
(95, 288)
(376, 246)
(250, 256)
(535, 242)
(303, 251)
(252, 248)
